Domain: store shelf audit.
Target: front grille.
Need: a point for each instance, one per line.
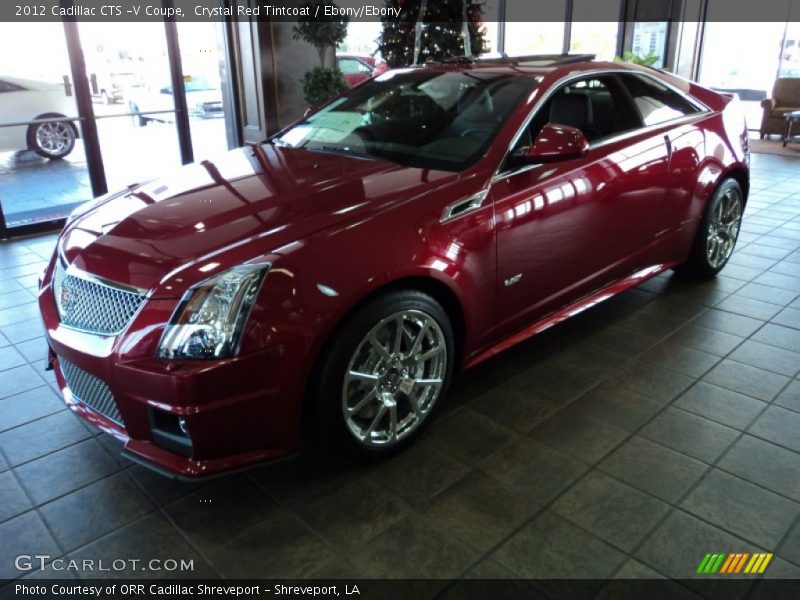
(89, 390)
(93, 306)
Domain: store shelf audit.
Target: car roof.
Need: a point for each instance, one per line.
(538, 64)
(556, 66)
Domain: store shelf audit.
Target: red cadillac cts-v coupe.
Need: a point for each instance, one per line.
(328, 283)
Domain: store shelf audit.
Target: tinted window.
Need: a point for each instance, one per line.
(656, 102)
(423, 118)
(597, 106)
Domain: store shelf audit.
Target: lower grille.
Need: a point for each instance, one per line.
(89, 390)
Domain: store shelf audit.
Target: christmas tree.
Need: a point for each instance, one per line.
(440, 34)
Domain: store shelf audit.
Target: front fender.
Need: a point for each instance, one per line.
(315, 282)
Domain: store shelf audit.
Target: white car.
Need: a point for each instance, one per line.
(27, 100)
(203, 99)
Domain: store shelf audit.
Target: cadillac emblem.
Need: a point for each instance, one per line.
(68, 297)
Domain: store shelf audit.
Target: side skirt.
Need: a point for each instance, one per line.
(571, 310)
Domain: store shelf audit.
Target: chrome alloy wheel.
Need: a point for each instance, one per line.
(723, 228)
(394, 378)
(54, 138)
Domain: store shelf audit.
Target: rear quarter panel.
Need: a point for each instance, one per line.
(704, 153)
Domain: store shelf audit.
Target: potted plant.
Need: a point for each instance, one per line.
(325, 33)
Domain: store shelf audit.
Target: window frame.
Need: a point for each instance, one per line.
(703, 110)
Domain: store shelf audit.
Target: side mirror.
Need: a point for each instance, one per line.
(554, 143)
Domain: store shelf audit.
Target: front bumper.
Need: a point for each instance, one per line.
(238, 411)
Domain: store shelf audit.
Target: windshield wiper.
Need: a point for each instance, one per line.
(341, 150)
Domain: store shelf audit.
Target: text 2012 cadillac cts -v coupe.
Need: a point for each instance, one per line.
(328, 283)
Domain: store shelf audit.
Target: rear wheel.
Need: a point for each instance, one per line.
(383, 375)
(716, 237)
(55, 139)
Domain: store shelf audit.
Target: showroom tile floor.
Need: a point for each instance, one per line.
(628, 442)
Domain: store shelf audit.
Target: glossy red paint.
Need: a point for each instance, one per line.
(557, 142)
(548, 241)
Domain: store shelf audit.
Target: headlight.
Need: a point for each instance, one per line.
(211, 316)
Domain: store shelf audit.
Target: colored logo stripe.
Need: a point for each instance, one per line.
(731, 559)
(704, 563)
(736, 562)
(710, 563)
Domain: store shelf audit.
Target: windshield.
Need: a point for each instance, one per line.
(422, 118)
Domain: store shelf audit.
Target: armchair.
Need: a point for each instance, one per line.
(785, 98)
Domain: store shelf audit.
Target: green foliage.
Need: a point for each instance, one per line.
(645, 60)
(321, 32)
(441, 36)
(321, 84)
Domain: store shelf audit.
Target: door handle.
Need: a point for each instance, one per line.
(668, 142)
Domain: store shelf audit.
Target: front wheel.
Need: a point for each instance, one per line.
(383, 375)
(716, 237)
(51, 140)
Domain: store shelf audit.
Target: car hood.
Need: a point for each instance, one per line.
(147, 234)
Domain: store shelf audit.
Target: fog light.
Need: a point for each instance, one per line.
(169, 431)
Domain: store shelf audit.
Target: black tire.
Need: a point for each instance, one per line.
(53, 139)
(701, 263)
(324, 416)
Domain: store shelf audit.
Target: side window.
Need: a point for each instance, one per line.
(598, 106)
(656, 102)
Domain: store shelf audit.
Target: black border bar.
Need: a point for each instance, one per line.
(529, 11)
(719, 587)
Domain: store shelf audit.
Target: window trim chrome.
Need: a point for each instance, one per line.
(703, 110)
